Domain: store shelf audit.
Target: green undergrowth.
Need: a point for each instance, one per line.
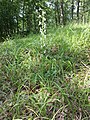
(49, 81)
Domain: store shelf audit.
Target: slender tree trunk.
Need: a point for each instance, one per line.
(34, 17)
(83, 11)
(78, 2)
(58, 12)
(17, 24)
(56, 20)
(62, 12)
(23, 16)
(72, 9)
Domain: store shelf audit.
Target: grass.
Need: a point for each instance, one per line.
(46, 82)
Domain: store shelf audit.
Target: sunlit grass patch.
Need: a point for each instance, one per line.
(46, 82)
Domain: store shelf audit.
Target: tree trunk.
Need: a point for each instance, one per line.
(78, 2)
(56, 19)
(72, 9)
(62, 12)
(23, 16)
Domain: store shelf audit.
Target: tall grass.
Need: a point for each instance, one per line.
(49, 82)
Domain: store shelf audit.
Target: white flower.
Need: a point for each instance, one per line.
(40, 16)
(40, 8)
(44, 51)
(40, 23)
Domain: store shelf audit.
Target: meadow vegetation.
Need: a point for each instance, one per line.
(46, 82)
